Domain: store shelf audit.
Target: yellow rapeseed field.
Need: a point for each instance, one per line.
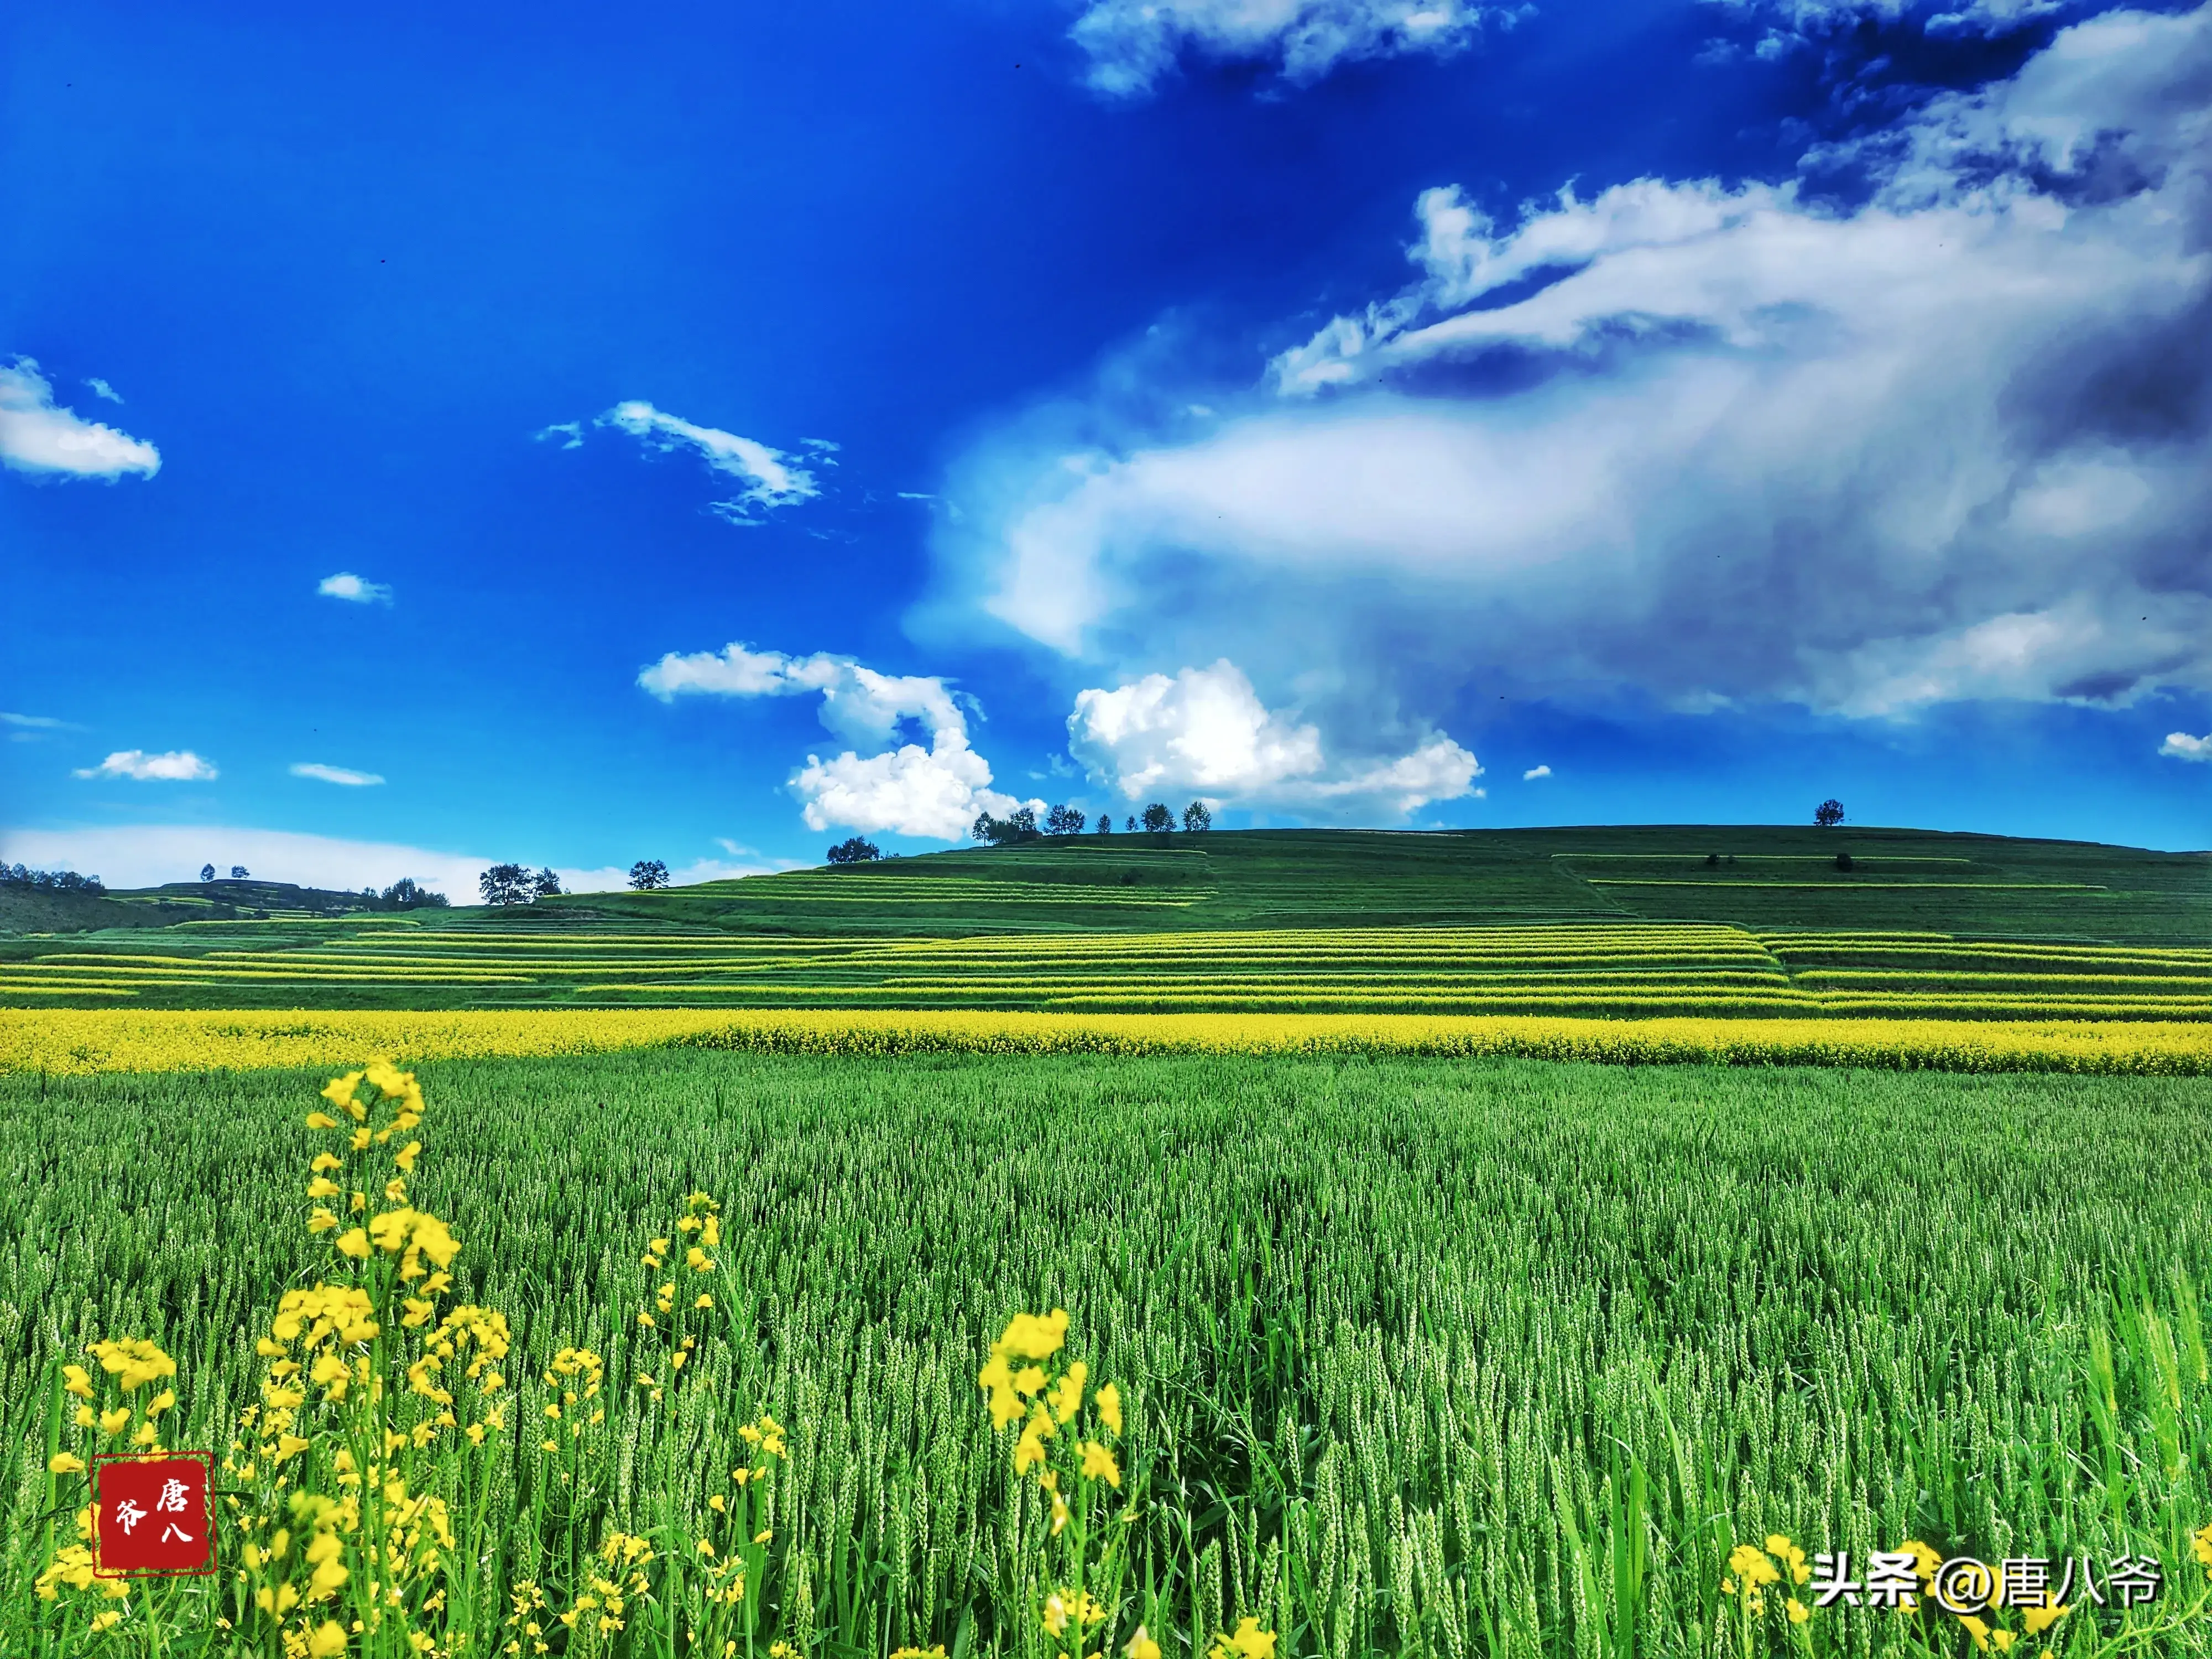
(86, 1041)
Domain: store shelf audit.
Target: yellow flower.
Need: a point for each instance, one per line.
(405, 1157)
(698, 1260)
(77, 1380)
(1028, 1450)
(1978, 1629)
(703, 1301)
(762, 1537)
(321, 1221)
(116, 1421)
(1799, 1612)
(2039, 1618)
(360, 1142)
(1141, 1645)
(133, 1362)
(322, 1187)
(1066, 1397)
(2003, 1640)
(354, 1242)
(1098, 1464)
(321, 1120)
(718, 1503)
(1028, 1336)
(1749, 1562)
(67, 1462)
(1109, 1409)
(1249, 1642)
(329, 1639)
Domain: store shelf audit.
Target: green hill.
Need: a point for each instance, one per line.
(1754, 877)
(1622, 923)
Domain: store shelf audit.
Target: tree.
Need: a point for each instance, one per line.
(207, 872)
(1064, 821)
(407, 893)
(1001, 832)
(1105, 823)
(1196, 816)
(855, 851)
(1829, 813)
(238, 872)
(505, 884)
(544, 885)
(648, 873)
(1131, 825)
(1158, 819)
(1842, 861)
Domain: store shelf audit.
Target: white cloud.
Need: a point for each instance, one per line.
(572, 430)
(1206, 732)
(1535, 772)
(1135, 44)
(770, 477)
(38, 436)
(334, 774)
(347, 586)
(1706, 444)
(174, 766)
(101, 389)
(2182, 746)
(933, 792)
(39, 722)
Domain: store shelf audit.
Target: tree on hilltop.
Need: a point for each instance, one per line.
(1829, 813)
(1064, 820)
(544, 885)
(207, 872)
(409, 893)
(505, 884)
(238, 872)
(1105, 823)
(1002, 832)
(648, 873)
(1158, 819)
(855, 850)
(1197, 817)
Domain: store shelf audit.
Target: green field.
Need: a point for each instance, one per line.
(1620, 923)
(1430, 1358)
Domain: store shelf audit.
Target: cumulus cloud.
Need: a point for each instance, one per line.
(932, 792)
(39, 436)
(1206, 732)
(1706, 444)
(2182, 746)
(1135, 44)
(767, 477)
(342, 775)
(347, 586)
(1535, 772)
(172, 766)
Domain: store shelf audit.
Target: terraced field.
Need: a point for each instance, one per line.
(1537, 922)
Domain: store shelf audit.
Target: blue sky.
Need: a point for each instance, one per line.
(708, 432)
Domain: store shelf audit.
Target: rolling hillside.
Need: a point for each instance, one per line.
(1619, 922)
